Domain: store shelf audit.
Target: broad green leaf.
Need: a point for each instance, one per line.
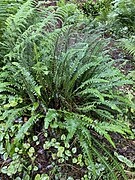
(37, 177)
(60, 151)
(38, 90)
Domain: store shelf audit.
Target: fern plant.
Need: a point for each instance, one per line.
(97, 9)
(121, 18)
(129, 45)
(7, 8)
(61, 76)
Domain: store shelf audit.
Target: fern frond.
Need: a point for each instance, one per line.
(28, 81)
(102, 132)
(8, 7)
(18, 23)
(12, 115)
(107, 164)
(116, 164)
(93, 81)
(129, 45)
(113, 127)
(23, 130)
(86, 107)
(91, 91)
(87, 151)
(50, 116)
(104, 114)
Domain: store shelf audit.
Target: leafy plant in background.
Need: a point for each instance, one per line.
(97, 9)
(7, 8)
(116, 17)
(62, 80)
(129, 46)
(121, 17)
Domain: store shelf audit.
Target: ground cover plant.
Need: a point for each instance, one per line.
(7, 8)
(115, 17)
(60, 97)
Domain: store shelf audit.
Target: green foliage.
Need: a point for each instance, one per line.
(98, 9)
(121, 17)
(115, 17)
(129, 45)
(58, 75)
(8, 7)
(125, 160)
